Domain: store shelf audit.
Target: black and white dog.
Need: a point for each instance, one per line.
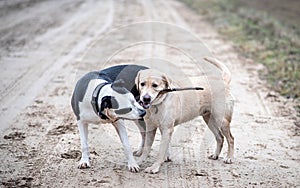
(109, 96)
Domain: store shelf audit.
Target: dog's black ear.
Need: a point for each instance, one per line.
(118, 83)
(137, 81)
(109, 102)
(119, 86)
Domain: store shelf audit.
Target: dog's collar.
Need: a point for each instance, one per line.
(94, 101)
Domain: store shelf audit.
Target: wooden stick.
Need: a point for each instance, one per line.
(180, 89)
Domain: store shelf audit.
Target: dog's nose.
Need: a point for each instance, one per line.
(147, 98)
(142, 113)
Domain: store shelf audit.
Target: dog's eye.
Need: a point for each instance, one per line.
(154, 85)
(143, 84)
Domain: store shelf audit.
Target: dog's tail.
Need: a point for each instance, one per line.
(226, 74)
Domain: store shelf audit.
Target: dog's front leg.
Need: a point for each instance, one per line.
(85, 156)
(121, 130)
(150, 135)
(166, 134)
(142, 128)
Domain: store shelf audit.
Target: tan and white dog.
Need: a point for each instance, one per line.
(165, 111)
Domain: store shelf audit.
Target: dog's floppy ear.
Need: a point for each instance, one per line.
(118, 83)
(137, 81)
(109, 102)
(167, 81)
(119, 86)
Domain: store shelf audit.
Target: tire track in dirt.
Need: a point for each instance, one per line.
(26, 87)
(43, 131)
(62, 135)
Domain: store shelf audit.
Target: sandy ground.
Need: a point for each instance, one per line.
(46, 46)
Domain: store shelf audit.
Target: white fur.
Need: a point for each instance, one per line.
(87, 115)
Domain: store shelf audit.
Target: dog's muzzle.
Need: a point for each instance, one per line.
(146, 102)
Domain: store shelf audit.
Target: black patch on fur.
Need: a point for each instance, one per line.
(118, 86)
(123, 111)
(109, 102)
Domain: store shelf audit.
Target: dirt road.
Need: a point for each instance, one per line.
(46, 46)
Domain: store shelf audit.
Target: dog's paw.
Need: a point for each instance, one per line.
(138, 152)
(228, 160)
(133, 166)
(83, 164)
(213, 157)
(153, 169)
(168, 159)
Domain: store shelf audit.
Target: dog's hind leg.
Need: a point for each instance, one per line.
(121, 130)
(213, 126)
(142, 127)
(225, 128)
(85, 156)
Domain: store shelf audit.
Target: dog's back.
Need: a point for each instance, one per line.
(127, 73)
(80, 90)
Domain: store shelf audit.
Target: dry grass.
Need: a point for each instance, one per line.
(258, 36)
